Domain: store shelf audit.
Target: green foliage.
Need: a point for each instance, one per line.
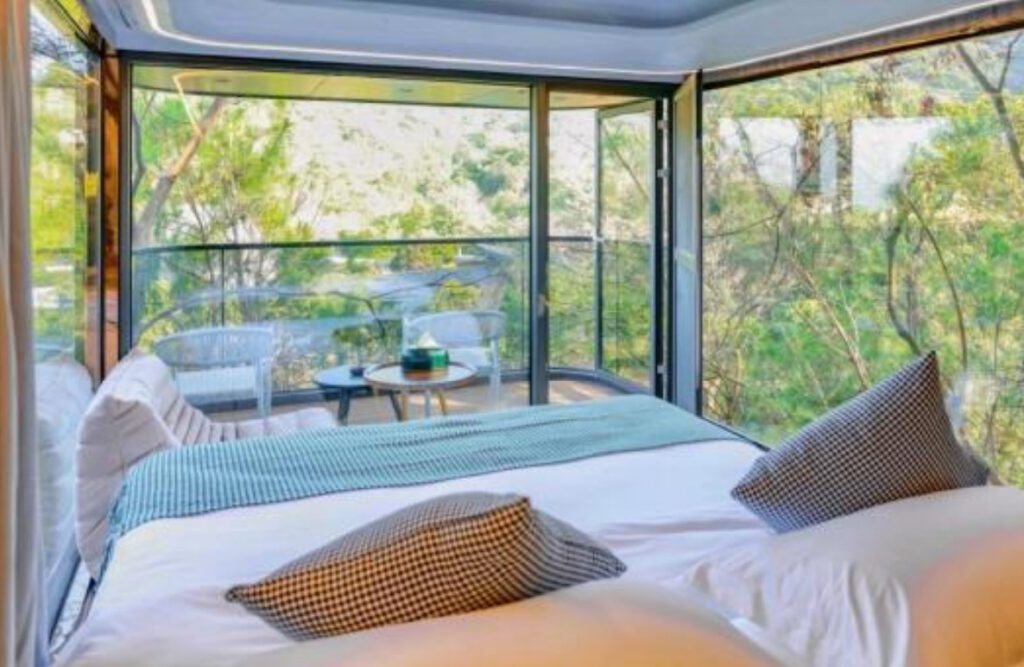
(815, 289)
(63, 187)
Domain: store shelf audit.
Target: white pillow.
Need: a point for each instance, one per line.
(63, 392)
(122, 426)
(934, 580)
(610, 623)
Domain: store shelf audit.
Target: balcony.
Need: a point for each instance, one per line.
(352, 310)
(333, 210)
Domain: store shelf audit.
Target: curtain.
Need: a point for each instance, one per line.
(21, 573)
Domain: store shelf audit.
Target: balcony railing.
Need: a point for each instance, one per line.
(334, 302)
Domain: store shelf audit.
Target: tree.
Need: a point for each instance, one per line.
(226, 179)
(820, 281)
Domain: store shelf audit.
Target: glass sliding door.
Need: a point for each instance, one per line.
(64, 194)
(625, 242)
(603, 224)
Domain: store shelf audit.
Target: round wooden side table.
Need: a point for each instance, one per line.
(391, 377)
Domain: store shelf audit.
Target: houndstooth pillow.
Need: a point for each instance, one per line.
(893, 441)
(450, 555)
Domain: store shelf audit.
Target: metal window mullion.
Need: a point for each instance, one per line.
(668, 320)
(660, 178)
(125, 305)
(598, 246)
(540, 125)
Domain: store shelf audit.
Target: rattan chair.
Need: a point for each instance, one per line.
(221, 364)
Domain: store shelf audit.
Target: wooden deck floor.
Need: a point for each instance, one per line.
(377, 409)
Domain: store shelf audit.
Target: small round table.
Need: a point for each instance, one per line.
(341, 380)
(391, 377)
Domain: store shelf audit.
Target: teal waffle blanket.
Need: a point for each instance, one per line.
(206, 478)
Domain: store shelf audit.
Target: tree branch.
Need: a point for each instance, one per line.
(996, 96)
(947, 275)
(146, 222)
(902, 329)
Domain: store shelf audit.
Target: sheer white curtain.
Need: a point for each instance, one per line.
(21, 577)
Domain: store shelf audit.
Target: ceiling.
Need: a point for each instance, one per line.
(622, 13)
(654, 40)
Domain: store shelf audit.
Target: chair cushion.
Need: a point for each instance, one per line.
(137, 411)
(449, 555)
(289, 422)
(215, 385)
(893, 441)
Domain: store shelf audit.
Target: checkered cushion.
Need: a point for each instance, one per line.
(893, 441)
(449, 555)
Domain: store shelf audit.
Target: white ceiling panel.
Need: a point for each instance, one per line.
(621, 13)
(656, 40)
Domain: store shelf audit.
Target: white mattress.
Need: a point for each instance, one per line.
(161, 602)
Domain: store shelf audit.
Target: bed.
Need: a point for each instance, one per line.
(161, 601)
(706, 581)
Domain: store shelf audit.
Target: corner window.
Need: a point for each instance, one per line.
(858, 216)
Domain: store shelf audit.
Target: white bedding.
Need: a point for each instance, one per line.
(609, 623)
(161, 602)
(935, 580)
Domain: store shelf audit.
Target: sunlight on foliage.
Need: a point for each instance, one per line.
(858, 216)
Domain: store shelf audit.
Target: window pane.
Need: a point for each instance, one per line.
(573, 211)
(601, 166)
(64, 186)
(627, 231)
(572, 328)
(860, 215)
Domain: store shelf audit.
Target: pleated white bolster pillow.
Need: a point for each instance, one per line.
(122, 426)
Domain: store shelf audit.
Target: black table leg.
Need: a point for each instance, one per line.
(344, 405)
(395, 406)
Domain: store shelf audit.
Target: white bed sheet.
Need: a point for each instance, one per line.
(162, 599)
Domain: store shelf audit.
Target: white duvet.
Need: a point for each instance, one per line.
(162, 599)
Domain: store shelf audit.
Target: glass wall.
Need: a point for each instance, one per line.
(573, 224)
(336, 210)
(64, 185)
(858, 216)
(64, 210)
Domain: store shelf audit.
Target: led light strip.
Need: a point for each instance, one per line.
(152, 17)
